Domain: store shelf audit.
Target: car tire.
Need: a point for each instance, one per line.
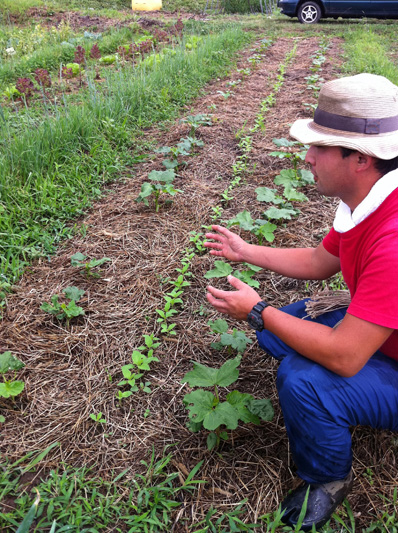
(309, 13)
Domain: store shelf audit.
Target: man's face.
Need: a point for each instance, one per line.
(332, 173)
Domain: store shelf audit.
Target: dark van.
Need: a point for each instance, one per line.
(311, 11)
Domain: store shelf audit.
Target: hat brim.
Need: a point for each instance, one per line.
(382, 146)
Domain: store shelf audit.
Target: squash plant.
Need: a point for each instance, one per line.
(207, 410)
(10, 387)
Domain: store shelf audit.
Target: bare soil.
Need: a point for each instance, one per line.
(73, 372)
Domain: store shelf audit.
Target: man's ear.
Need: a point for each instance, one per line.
(364, 161)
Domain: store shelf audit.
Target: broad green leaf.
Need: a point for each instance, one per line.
(261, 408)
(2, 419)
(30, 516)
(9, 362)
(165, 176)
(170, 163)
(201, 376)
(280, 214)
(284, 142)
(11, 388)
(73, 293)
(223, 414)
(199, 403)
(286, 177)
(195, 427)
(264, 194)
(228, 373)
(306, 176)
(240, 401)
(218, 326)
(220, 270)
(243, 219)
(293, 194)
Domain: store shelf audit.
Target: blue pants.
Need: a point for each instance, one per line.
(319, 406)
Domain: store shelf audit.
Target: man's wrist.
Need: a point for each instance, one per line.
(254, 318)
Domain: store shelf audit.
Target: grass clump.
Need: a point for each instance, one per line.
(368, 51)
(53, 169)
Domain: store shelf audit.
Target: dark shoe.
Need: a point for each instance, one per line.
(322, 501)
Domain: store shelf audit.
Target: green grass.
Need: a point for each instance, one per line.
(50, 172)
(75, 500)
(368, 51)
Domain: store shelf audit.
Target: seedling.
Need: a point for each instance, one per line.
(133, 372)
(236, 340)
(161, 184)
(196, 121)
(262, 229)
(196, 238)
(79, 260)
(10, 387)
(98, 418)
(225, 94)
(63, 311)
(206, 410)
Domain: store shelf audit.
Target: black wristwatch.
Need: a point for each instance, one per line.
(254, 317)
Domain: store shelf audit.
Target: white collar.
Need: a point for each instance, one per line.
(345, 220)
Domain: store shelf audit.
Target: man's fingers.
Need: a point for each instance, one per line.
(217, 293)
(236, 283)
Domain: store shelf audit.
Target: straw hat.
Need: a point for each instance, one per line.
(359, 112)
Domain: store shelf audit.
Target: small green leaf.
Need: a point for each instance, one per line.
(238, 340)
(294, 195)
(9, 362)
(280, 214)
(218, 326)
(220, 270)
(284, 142)
(11, 388)
(77, 258)
(211, 440)
(2, 419)
(261, 408)
(73, 293)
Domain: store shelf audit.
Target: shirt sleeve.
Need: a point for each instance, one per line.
(331, 242)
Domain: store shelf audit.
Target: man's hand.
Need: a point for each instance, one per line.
(227, 244)
(237, 304)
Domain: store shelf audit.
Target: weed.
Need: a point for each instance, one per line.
(63, 311)
(78, 260)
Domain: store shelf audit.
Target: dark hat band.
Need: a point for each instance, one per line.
(367, 126)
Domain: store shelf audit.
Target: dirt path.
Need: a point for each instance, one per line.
(71, 373)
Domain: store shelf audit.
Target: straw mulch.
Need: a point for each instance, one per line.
(73, 372)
